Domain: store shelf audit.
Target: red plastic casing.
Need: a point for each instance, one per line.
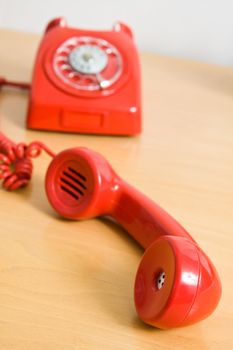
(81, 184)
(54, 105)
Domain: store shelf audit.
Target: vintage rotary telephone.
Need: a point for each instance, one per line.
(176, 283)
(85, 81)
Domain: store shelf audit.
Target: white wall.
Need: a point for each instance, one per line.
(198, 29)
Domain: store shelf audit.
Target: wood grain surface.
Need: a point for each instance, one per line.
(69, 285)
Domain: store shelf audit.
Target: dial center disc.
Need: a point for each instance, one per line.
(88, 59)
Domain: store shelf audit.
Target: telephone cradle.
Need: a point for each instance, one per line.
(86, 81)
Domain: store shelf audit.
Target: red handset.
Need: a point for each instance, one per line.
(176, 283)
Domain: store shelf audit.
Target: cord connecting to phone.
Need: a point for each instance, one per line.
(16, 159)
(15, 84)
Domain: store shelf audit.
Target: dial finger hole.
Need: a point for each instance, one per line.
(73, 76)
(70, 47)
(88, 80)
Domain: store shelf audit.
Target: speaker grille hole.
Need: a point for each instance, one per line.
(75, 188)
(77, 173)
(72, 182)
(69, 192)
(160, 280)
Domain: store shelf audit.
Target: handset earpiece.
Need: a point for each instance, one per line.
(176, 283)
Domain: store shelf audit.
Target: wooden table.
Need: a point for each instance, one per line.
(69, 285)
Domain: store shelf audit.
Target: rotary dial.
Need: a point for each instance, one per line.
(87, 63)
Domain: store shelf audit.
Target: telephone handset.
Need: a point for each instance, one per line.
(86, 81)
(176, 283)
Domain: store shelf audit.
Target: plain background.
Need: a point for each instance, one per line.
(196, 29)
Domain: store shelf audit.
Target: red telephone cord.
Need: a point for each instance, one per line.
(15, 161)
(15, 84)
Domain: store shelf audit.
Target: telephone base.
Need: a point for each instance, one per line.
(86, 81)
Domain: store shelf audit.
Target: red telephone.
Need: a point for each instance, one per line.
(86, 81)
(176, 283)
